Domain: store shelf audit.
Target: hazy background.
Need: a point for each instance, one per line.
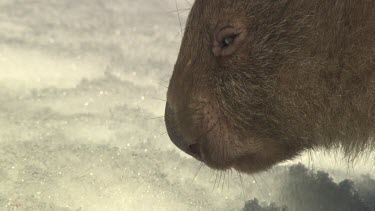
(82, 84)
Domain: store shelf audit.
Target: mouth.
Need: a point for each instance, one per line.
(196, 152)
(245, 163)
(221, 148)
(242, 164)
(203, 148)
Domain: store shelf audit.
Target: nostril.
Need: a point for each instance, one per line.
(177, 137)
(195, 151)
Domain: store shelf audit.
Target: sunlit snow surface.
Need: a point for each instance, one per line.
(80, 83)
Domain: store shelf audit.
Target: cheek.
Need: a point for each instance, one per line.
(212, 118)
(221, 145)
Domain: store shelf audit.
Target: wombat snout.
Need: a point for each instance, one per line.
(176, 136)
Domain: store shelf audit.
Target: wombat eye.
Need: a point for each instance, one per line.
(227, 40)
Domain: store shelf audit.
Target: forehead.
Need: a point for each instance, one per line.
(208, 13)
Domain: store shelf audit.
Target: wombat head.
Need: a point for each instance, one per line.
(257, 82)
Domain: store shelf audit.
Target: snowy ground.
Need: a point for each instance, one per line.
(79, 89)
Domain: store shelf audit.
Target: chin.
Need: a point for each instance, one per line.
(251, 160)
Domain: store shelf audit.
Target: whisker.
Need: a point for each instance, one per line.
(178, 14)
(158, 99)
(188, 2)
(242, 185)
(196, 174)
(268, 189)
(189, 111)
(180, 32)
(186, 114)
(154, 118)
(224, 176)
(215, 181)
(161, 85)
(256, 183)
(183, 10)
(189, 108)
(229, 176)
(221, 175)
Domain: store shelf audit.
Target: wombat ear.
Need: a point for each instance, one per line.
(227, 40)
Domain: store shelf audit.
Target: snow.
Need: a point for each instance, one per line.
(79, 83)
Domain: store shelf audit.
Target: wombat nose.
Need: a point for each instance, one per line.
(177, 138)
(195, 151)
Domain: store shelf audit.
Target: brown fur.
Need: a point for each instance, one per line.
(302, 80)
